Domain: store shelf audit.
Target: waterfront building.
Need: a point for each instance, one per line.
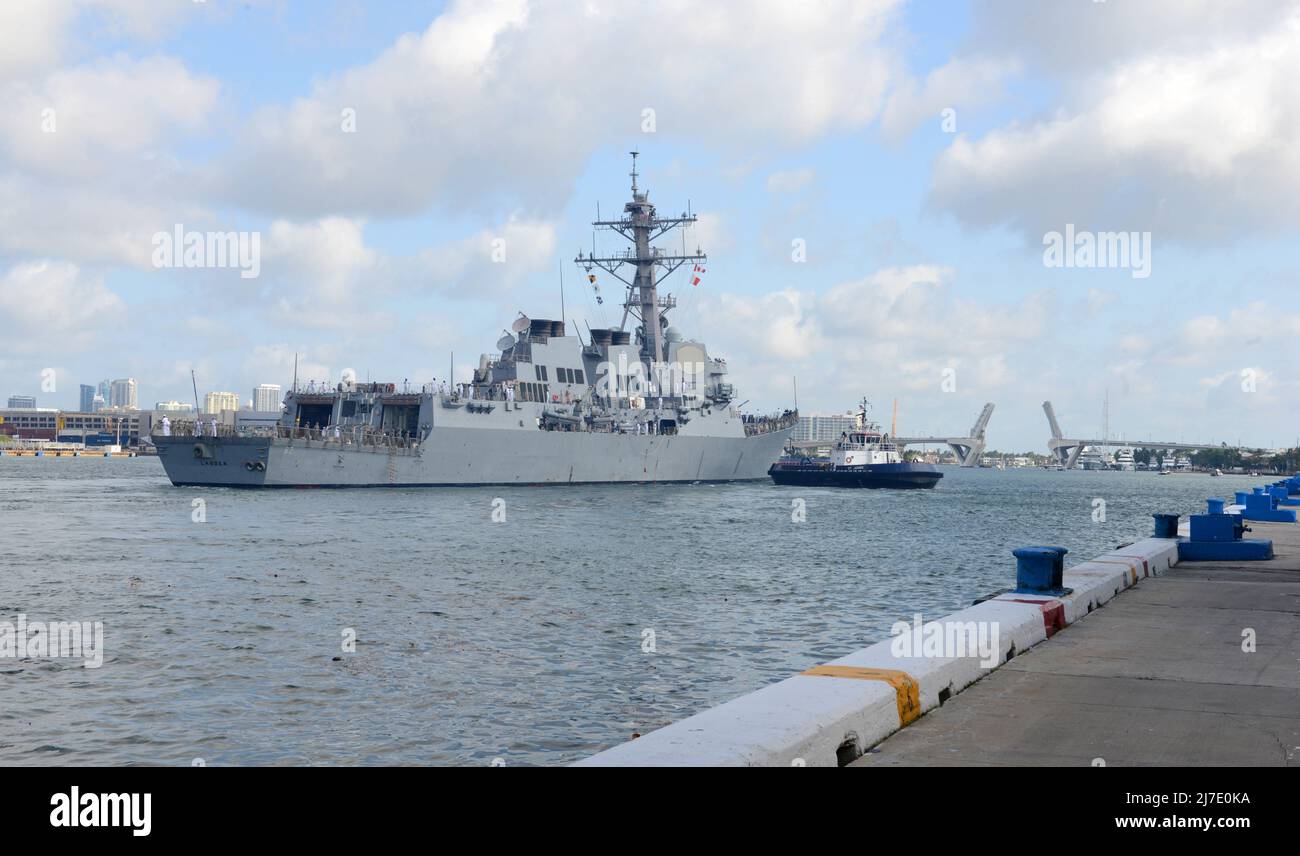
(820, 427)
(23, 402)
(123, 393)
(218, 402)
(267, 398)
(102, 428)
(29, 423)
(174, 407)
(87, 402)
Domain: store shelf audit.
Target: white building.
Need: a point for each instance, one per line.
(819, 427)
(174, 407)
(218, 402)
(267, 398)
(122, 393)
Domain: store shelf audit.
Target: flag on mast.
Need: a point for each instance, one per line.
(695, 280)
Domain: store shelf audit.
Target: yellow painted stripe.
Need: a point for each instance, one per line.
(1130, 565)
(905, 687)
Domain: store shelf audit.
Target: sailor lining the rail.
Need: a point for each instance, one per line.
(166, 427)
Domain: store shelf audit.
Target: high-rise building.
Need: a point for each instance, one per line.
(122, 394)
(22, 402)
(174, 407)
(218, 402)
(819, 428)
(105, 391)
(87, 398)
(267, 398)
(97, 403)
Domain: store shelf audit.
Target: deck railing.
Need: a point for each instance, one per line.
(342, 435)
(755, 425)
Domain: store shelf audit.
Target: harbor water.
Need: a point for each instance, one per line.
(507, 625)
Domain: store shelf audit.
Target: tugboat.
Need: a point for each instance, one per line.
(863, 457)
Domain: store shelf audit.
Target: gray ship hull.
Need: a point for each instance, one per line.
(454, 456)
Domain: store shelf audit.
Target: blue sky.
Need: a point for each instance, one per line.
(820, 123)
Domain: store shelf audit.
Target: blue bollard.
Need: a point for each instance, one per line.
(1263, 507)
(1214, 506)
(1217, 538)
(1041, 571)
(1241, 497)
(1166, 525)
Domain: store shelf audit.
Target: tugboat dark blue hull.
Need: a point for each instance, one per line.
(896, 476)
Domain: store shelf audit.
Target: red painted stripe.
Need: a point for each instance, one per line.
(1053, 613)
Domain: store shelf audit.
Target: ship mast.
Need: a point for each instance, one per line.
(639, 226)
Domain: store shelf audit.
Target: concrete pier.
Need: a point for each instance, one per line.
(1157, 677)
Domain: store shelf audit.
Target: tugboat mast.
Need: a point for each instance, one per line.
(640, 225)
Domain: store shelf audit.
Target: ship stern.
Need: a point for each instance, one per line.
(214, 461)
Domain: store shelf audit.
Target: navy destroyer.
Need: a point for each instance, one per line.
(862, 457)
(548, 408)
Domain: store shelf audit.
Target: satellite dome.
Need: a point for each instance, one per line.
(672, 335)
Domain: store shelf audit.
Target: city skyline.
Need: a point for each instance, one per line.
(265, 398)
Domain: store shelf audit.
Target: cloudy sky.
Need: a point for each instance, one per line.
(874, 181)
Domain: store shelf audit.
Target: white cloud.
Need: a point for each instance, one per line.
(790, 181)
(50, 306)
(492, 262)
(1204, 339)
(87, 223)
(1196, 139)
(959, 84)
(323, 274)
(101, 113)
(1097, 299)
(482, 103)
(275, 364)
(329, 254)
(31, 35)
(897, 329)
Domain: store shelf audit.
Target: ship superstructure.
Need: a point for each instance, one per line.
(626, 404)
